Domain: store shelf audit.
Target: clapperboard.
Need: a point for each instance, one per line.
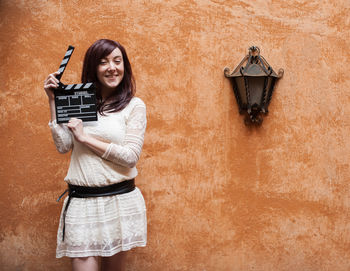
(75, 100)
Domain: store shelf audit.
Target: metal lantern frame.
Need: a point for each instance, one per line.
(253, 83)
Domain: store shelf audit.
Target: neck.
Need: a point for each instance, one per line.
(105, 93)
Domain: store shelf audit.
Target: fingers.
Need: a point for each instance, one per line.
(51, 81)
(76, 127)
(74, 122)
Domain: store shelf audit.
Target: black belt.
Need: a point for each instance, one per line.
(75, 191)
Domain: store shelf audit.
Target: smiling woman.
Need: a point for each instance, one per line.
(107, 213)
(98, 64)
(110, 72)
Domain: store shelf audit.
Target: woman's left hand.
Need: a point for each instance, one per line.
(76, 126)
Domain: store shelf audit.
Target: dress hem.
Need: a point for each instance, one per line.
(70, 254)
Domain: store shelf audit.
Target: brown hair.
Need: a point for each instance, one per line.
(124, 92)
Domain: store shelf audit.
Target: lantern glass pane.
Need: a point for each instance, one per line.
(241, 90)
(269, 90)
(256, 87)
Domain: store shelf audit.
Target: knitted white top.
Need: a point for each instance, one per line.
(124, 130)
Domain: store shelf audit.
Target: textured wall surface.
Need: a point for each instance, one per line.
(220, 195)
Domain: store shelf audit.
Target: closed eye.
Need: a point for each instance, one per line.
(118, 59)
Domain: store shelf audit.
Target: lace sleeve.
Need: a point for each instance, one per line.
(61, 136)
(128, 153)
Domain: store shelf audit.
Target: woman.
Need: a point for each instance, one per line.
(106, 214)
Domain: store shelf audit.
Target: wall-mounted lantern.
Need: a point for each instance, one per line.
(253, 85)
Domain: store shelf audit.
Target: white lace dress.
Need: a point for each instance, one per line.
(104, 226)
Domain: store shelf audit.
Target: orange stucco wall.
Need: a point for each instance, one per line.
(220, 195)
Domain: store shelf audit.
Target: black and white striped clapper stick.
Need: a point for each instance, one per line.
(74, 100)
(64, 62)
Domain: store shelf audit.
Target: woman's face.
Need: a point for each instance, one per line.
(110, 71)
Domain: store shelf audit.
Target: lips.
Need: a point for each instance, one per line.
(112, 77)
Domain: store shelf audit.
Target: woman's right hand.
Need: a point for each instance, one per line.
(51, 83)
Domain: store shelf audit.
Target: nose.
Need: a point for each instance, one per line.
(112, 66)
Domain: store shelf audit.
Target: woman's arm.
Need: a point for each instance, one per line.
(126, 154)
(61, 135)
(51, 83)
(96, 145)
